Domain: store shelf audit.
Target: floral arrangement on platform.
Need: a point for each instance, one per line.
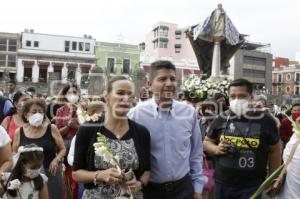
(200, 87)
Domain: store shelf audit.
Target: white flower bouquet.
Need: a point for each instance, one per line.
(201, 88)
(102, 149)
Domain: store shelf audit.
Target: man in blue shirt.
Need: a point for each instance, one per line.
(176, 144)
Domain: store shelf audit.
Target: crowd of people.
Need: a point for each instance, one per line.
(164, 145)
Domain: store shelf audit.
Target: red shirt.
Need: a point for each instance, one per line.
(63, 115)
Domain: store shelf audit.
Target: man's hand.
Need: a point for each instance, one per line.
(197, 195)
(222, 148)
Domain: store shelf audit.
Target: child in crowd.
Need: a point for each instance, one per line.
(26, 180)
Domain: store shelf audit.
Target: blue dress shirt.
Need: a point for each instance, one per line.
(176, 141)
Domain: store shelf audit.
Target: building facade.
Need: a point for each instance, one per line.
(252, 64)
(286, 80)
(166, 41)
(120, 59)
(9, 44)
(169, 42)
(43, 58)
(117, 58)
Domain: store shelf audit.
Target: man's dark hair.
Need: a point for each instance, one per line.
(242, 82)
(160, 64)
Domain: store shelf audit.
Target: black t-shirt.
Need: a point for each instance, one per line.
(47, 142)
(250, 138)
(84, 157)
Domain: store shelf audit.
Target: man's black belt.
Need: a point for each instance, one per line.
(170, 186)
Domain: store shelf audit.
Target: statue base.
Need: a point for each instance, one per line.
(216, 79)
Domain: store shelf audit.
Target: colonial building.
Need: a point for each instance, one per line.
(286, 78)
(169, 42)
(9, 44)
(120, 59)
(117, 58)
(43, 58)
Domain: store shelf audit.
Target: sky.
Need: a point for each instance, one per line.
(274, 22)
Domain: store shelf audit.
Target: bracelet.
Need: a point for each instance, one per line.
(95, 178)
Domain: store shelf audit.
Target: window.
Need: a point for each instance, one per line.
(84, 77)
(11, 61)
(36, 44)
(28, 43)
(3, 44)
(80, 46)
(27, 74)
(87, 47)
(71, 74)
(258, 61)
(2, 60)
(142, 46)
(57, 70)
(297, 90)
(177, 48)
(163, 32)
(279, 90)
(279, 78)
(43, 74)
(297, 77)
(288, 77)
(74, 45)
(12, 45)
(163, 44)
(254, 73)
(178, 34)
(67, 46)
(110, 64)
(126, 66)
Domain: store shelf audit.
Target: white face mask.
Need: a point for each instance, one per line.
(72, 98)
(32, 173)
(36, 119)
(239, 106)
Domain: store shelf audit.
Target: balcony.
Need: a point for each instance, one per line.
(277, 82)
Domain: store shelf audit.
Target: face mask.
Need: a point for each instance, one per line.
(239, 106)
(32, 173)
(295, 115)
(36, 119)
(72, 98)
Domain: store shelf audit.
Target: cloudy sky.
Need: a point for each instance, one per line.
(266, 21)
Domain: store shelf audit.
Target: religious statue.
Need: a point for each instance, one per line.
(215, 42)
